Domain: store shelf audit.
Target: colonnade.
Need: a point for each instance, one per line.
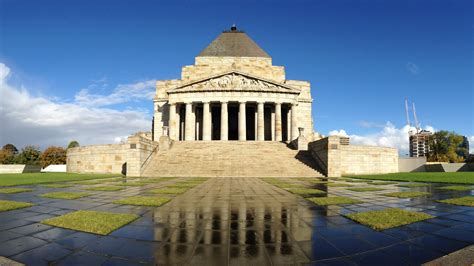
(185, 128)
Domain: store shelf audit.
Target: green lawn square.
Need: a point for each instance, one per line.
(312, 180)
(183, 185)
(143, 201)
(14, 190)
(356, 181)
(57, 185)
(8, 205)
(463, 201)
(387, 218)
(131, 184)
(169, 190)
(456, 188)
(323, 201)
(105, 188)
(406, 194)
(305, 191)
(338, 185)
(365, 189)
(414, 185)
(65, 195)
(101, 223)
(383, 183)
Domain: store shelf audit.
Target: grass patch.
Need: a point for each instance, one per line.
(289, 186)
(8, 205)
(169, 190)
(155, 180)
(312, 180)
(356, 181)
(365, 189)
(383, 183)
(101, 223)
(65, 195)
(91, 182)
(143, 201)
(131, 184)
(463, 201)
(388, 218)
(41, 178)
(413, 185)
(338, 185)
(14, 190)
(198, 179)
(323, 201)
(406, 194)
(184, 185)
(105, 188)
(57, 185)
(305, 191)
(456, 188)
(442, 177)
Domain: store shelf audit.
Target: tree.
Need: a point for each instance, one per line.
(445, 147)
(11, 148)
(53, 155)
(73, 144)
(29, 155)
(6, 157)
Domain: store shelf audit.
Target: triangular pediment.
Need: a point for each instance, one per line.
(234, 81)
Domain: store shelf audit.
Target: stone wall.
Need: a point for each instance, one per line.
(415, 164)
(108, 158)
(126, 158)
(208, 66)
(19, 168)
(338, 159)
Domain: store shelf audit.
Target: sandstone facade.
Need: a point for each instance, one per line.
(232, 92)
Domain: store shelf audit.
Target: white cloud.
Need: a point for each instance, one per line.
(471, 144)
(413, 68)
(340, 133)
(28, 119)
(388, 136)
(144, 90)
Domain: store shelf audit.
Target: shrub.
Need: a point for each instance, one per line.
(53, 155)
(29, 155)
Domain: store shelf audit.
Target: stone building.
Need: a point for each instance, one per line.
(232, 114)
(232, 92)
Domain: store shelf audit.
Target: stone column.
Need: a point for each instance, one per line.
(242, 122)
(206, 122)
(294, 122)
(260, 122)
(278, 122)
(224, 122)
(193, 122)
(172, 121)
(272, 122)
(189, 125)
(288, 125)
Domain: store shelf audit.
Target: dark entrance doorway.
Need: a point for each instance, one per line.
(216, 123)
(233, 111)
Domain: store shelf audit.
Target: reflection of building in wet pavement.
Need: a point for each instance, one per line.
(242, 220)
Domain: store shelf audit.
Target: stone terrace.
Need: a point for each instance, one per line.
(236, 221)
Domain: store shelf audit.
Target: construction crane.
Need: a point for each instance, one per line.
(417, 125)
(410, 132)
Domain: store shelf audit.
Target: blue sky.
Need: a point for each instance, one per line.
(363, 58)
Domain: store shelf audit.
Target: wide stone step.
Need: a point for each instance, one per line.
(231, 158)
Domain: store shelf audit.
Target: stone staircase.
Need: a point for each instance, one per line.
(231, 159)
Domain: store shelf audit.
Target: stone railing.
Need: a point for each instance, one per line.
(126, 158)
(337, 158)
(19, 168)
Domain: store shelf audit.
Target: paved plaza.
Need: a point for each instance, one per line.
(235, 221)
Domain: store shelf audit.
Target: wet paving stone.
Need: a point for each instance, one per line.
(236, 221)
